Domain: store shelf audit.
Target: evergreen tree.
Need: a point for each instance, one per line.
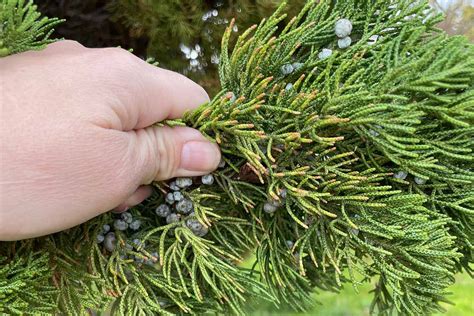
(184, 35)
(347, 140)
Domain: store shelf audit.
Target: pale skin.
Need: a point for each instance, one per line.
(76, 135)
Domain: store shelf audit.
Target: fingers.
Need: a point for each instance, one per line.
(136, 198)
(159, 153)
(64, 46)
(167, 95)
(152, 94)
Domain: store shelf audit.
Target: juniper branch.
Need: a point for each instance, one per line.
(358, 161)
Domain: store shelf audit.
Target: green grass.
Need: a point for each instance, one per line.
(350, 303)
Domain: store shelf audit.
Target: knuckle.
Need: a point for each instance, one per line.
(65, 46)
(73, 44)
(118, 70)
(165, 153)
(120, 58)
(157, 154)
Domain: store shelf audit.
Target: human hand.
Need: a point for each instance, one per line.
(76, 136)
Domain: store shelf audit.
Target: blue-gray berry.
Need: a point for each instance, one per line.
(343, 28)
(184, 182)
(172, 218)
(105, 229)
(221, 163)
(173, 186)
(135, 225)
(344, 42)
(196, 227)
(153, 259)
(289, 86)
(100, 238)
(126, 217)
(193, 224)
(120, 224)
(138, 243)
(325, 53)
(207, 179)
(373, 133)
(110, 241)
(354, 231)
(269, 207)
(139, 259)
(163, 210)
(297, 65)
(163, 302)
(290, 244)
(283, 193)
(287, 69)
(177, 196)
(420, 180)
(184, 206)
(400, 175)
(169, 198)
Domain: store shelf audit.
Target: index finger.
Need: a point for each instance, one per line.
(156, 93)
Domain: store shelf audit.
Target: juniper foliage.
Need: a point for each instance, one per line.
(21, 27)
(366, 158)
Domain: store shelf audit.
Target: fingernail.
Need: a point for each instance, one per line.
(199, 156)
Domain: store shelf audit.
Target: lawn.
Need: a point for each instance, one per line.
(350, 303)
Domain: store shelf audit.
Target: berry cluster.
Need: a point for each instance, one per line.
(343, 29)
(402, 175)
(289, 68)
(272, 205)
(124, 222)
(178, 207)
(109, 240)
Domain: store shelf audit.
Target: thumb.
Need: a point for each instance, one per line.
(161, 153)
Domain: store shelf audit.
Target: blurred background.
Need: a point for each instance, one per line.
(184, 36)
